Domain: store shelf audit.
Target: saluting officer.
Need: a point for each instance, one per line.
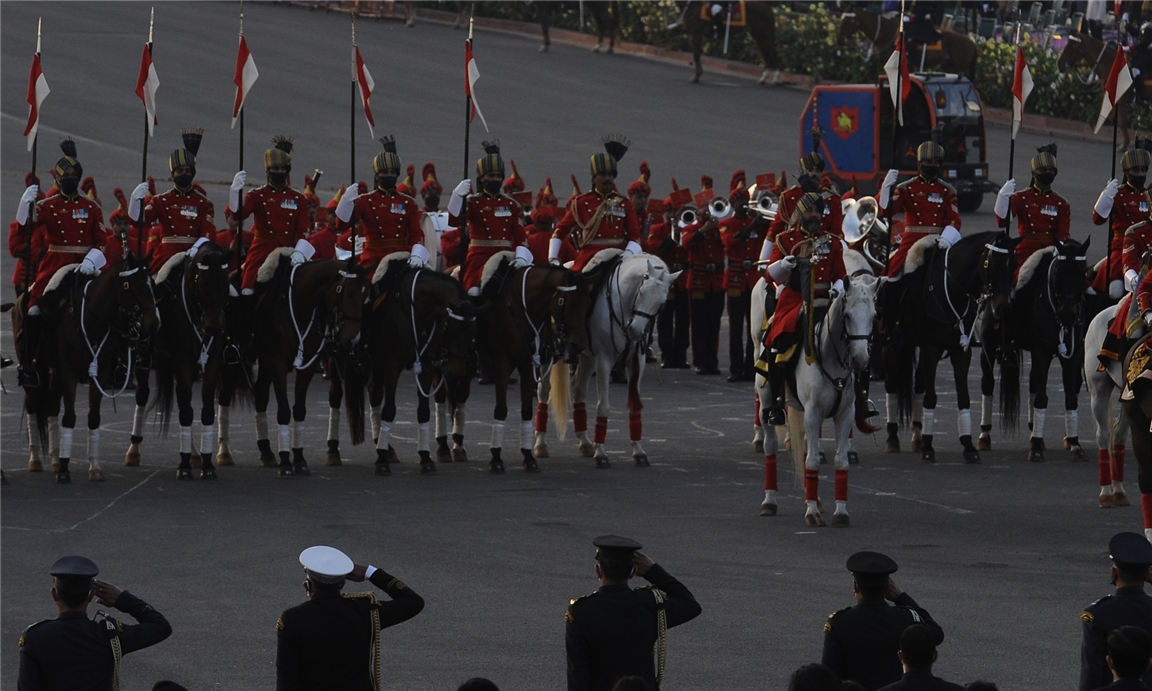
(75, 653)
(610, 633)
(1123, 205)
(332, 641)
(1128, 606)
(861, 643)
(1043, 217)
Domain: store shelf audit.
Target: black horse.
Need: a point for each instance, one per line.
(937, 317)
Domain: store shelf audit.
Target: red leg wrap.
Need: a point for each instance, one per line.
(541, 417)
(1146, 504)
(1105, 468)
(841, 485)
(811, 485)
(601, 430)
(635, 426)
(770, 471)
(1118, 463)
(758, 412)
(579, 418)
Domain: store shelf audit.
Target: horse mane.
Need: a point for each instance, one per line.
(1028, 270)
(59, 276)
(268, 268)
(491, 266)
(170, 266)
(382, 267)
(601, 257)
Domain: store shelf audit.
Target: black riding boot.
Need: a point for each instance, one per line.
(774, 412)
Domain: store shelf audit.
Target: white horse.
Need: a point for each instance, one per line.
(620, 323)
(825, 388)
(1104, 387)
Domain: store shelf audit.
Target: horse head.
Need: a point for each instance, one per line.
(650, 295)
(344, 300)
(1073, 54)
(997, 272)
(849, 25)
(569, 309)
(206, 281)
(140, 320)
(857, 308)
(1068, 281)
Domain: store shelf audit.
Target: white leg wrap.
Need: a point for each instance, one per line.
(458, 420)
(1038, 423)
(223, 414)
(497, 434)
(284, 435)
(66, 442)
(985, 410)
(1071, 423)
(891, 407)
(1148, 534)
(769, 496)
(33, 439)
(964, 423)
(929, 420)
(334, 423)
(207, 439)
(94, 445)
(138, 421)
(526, 434)
(261, 426)
(298, 435)
(811, 506)
(55, 437)
(841, 507)
(185, 439)
(424, 442)
(376, 425)
(442, 419)
(385, 437)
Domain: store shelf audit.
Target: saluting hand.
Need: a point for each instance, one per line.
(641, 562)
(358, 572)
(106, 593)
(893, 592)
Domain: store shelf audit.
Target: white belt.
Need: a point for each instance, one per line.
(607, 242)
(490, 243)
(179, 239)
(923, 229)
(68, 249)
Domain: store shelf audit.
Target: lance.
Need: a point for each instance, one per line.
(896, 119)
(144, 158)
(352, 134)
(464, 238)
(240, 212)
(26, 356)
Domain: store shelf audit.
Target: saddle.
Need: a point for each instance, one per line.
(386, 275)
(597, 277)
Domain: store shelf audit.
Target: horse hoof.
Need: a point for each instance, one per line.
(1036, 455)
(1120, 498)
(132, 459)
(892, 446)
(928, 455)
(1078, 455)
(382, 469)
(758, 446)
(840, 520)
(333, 458)
(55, 466)
(195, 460)
(587, 449)
(459, 455)
(540, 451)
(391, 456)
(63, 477)
(427, 468)
(496, 467)
(285, 472)
(444, 455)
(208, 474)
(542, 49)
(853, 458)
(269, 461)
(641, 461)
(984, 443)
(301, 468)
(35, 467)
(531, 466)
(183, 473)
(972, 456)
(603, 462)
(95, 476)
(1107, 501)
(917, 444)
(224, 459)
(767, 510)
(813, 520)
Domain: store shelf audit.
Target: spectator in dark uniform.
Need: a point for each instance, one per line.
(861, 643)
(631, 684)
(478, 684)
(328, 642)
(814, 677)
(1128, 606)
(610, 633)
(1129, 658)
(75, 653)
(918, 654)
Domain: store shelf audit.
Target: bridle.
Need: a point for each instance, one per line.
(1056, 305)
(617, 320)
(196, 322)
(129, 324)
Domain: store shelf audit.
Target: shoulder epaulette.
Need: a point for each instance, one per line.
(907, 182)
(1087, 617)
(579, 599)
(947, 185)
(30, 627)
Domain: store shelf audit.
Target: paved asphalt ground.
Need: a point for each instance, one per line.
(1004, 554)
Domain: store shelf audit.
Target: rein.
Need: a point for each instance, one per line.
(618, 320)
(1062, 348)
(205, 345)
(93, 367)
(418, 367)
(298, 362)
(965, 337)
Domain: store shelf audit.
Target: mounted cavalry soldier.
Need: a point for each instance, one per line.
(72, 227)
(490, 219)
(810, 179)
(819, 256)
(1122, 205)
(391, 220)
(1042, 216)
(1133, 264)
(183, 214)
(602, 218)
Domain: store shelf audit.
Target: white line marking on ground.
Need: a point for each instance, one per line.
(111, 503)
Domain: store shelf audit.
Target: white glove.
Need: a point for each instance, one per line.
(523, 257)
(886, 187)
(630, 249)
(302, 252)
(420, 256)
(949, 236)
(463, 189)
(1131, 280)
(457, 201)
(234, 192)
(554, 246)
(138, 194)
(1116, 289)
(782, 269)
(1147, 317)
(965, 341)
(1003, 198)
(93, 262)
(836, 289)
(1107, 199)
(28, 198)
(196, 247)
(789, 262)
(347, 203)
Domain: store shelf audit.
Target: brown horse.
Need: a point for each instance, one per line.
(1084, 50)
(955, 52)
(760, 23)
(93, 326)
(605, 14)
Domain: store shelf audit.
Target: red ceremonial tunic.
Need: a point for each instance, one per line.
(324, 240)
(1129, 207)
(928, 207)
(1042, 219)
(183, 218)
(493, 226)
(390, 223)
(705, 259)
(786, 206)
(825, 272)
(673, 254)
(741, 273)
(71, 227)
(1144, 295)
(450, 248)
(617, 226)
(538, 242)
(17, 247)
(280, 218)
(1137, 241)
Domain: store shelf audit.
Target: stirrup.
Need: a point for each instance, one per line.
(27, 378)
(775, 416)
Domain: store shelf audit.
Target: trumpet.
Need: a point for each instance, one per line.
(719, 208)
(764, 203)
(687, 217)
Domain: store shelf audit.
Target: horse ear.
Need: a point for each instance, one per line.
(673, 276)
(1084, 247)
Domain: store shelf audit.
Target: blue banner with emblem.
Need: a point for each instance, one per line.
(848, 117)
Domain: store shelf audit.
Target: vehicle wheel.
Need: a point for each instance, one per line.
(969, 201)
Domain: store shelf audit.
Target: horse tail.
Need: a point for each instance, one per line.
(37, 406)
(1010, 387)
(165, 390)
(559, 396)
(799, 445)
(353, 378)
(239, 376)
(900, 371)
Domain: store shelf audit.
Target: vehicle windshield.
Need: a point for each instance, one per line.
(955, 100)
